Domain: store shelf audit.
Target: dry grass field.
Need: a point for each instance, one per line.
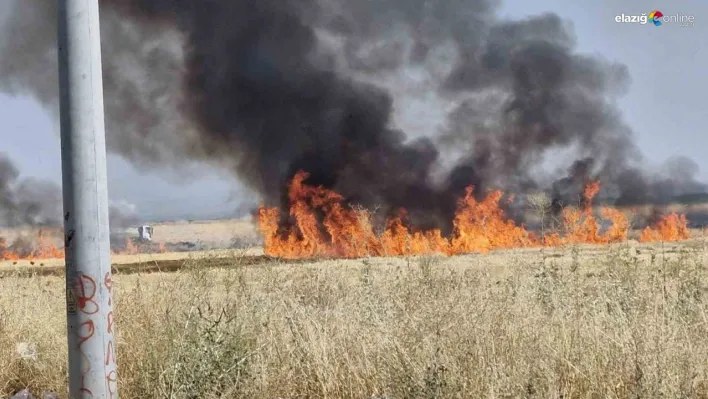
(616, 321)
(218, 231)
(219, 235)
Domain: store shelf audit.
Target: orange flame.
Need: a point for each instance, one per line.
(322, 226)
(582, 227)
(129, 248)
(42, 249)
(482, 226)
(671, 227)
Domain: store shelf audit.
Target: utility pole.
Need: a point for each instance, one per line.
(92, 360)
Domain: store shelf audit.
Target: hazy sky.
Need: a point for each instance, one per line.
(665, 104)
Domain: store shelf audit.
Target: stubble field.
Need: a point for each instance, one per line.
(626, 320)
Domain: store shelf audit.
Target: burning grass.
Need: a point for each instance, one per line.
(612, 321)
(41, 247)
(670, 227)
(479, 227)
(26, 247)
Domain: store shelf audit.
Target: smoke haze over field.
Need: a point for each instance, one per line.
(27, 201)
(38, 203)
(266, 88)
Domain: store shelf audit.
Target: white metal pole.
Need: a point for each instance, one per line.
(92, 359)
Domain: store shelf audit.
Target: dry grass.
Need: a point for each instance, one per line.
(126, 259)
(215, 234)
(596, 323)
(218, 231)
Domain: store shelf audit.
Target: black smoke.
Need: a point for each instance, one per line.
(267, 88)
(568, 190)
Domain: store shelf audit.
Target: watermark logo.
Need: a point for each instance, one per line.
(656, 18)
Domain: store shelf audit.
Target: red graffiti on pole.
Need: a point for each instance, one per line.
(112, 383)
(110, 358)
(85, 332)
(112, 375)
(109, 286)
(109, 322)
(85, 294)
(110, 354)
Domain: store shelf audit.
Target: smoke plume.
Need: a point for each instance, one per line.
(122, 215)
(270, 87)
(27, 202)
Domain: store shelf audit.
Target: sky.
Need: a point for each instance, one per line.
(665, 105)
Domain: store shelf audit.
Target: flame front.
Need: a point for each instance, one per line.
(322, 226)
(671, 227)
(582, 227)
(41, 249)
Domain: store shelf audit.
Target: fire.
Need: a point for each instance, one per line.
(129, 249)
(323, 226)
(41, 248)
(582, 227)
(482, 226)
(671, 227)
